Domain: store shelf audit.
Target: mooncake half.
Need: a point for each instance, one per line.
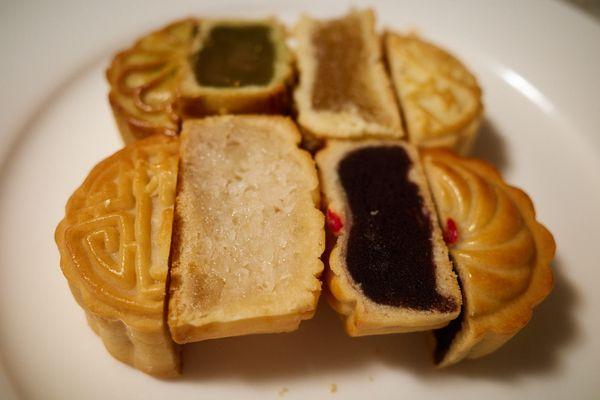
(237, 67)
(344, 91)
(501, 252)
(247, 233)
(114, 247)
(389, 269)
(144, 80)
(439, 97)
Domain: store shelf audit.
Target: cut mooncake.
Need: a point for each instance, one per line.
(439, 97)
(501, 252)
(114, 245)
(144, 81)
(389, 269)
(235, 67)
(344, 91)
(248, 233)
(199, 67)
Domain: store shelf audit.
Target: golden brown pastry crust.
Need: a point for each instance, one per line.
(114, 244)
(439, 97)
(362, 316)
(144, 81)
(502, 253)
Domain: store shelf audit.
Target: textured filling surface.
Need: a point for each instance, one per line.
(248, 235)
(389, 251)
(342, 74)
(234, 56)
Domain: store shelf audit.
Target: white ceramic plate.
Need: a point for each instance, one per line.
(538, 63)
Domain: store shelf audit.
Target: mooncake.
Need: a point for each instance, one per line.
(144, 81)
(501, 252)
(248, 234)
(343, 90)
(439, 97)
(114, 246)
(237, 67)
(389, 269)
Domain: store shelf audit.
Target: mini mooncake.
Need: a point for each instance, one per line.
(389, 269)
(144, 81)
(237, 67)
(439, 97)
(344, 91)
(247, 234)
(501, 252)
(114, 248)
(199, 67)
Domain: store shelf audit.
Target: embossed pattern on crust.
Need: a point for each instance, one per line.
(114, 243)
(440, 98)
(144, 81)
(502, 253)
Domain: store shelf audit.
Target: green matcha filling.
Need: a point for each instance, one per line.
(236, 56)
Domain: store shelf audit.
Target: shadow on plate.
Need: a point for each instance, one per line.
(536, 350)
(490, 145)
(320, 347)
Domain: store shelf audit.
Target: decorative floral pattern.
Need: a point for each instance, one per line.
(144, 81)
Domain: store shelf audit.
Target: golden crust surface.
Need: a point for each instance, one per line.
(144, 81)
(440, 98)
(502, 253)
(273, 98)
(362, 316)
(114, 244)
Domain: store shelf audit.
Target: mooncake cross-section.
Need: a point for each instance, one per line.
(343, 90)
(114, 247)
(237, 67)
(389, 269)
(248, 233)
(500, 251)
